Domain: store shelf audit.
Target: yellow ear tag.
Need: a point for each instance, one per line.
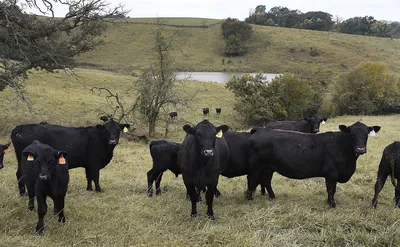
(219, 134)
(30, 157)
(61, 160)
(125, 129)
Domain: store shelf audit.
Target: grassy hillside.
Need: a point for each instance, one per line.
(123, 215)
(272, 49)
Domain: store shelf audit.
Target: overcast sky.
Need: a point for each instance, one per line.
(220, 9)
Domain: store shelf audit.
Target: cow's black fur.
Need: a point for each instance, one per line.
(306, 125)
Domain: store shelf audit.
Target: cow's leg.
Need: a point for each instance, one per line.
(59, 206)
(42, 210)
(150, 181)
(96, 177)
(380, 182)
(209, 200)
(89, 178)
(21, 184)
(193, 198)
(331, 189)
(397, 195)
(31, 196)
(158, 182)
(267, 180)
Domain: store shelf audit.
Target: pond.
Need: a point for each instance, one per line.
(219, 77)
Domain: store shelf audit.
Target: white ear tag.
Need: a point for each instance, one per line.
(323, 122)
(125, 129)
(30, 158)
(219, 134)
(372, 133)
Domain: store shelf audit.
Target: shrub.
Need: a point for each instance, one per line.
(286, 96)
(368, 89)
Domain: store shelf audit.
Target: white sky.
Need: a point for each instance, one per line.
(220, 9)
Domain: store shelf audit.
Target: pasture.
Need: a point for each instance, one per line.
(123, 215)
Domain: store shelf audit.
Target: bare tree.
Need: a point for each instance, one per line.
(47, 43)
(156, 84)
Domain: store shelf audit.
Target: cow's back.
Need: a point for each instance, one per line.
(165, 153)
(238, 145)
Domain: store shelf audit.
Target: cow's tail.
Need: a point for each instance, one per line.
(392, 164)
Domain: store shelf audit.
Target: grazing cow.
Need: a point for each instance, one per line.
(202, 157)
(306, 125)
(3, 150)
(389, 165)
(164, 155)
(173, 114)
(206, 111)
(89, 147)
(45, 172)
(331, 155)
(218, 110)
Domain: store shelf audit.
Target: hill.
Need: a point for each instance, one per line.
(272, 49)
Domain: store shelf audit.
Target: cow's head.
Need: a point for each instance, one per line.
(3, 150)
(358, 134)
(45, 158)
(314, 123)
(205, 134)
(114, 129)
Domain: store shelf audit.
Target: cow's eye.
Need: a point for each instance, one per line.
(352, 136)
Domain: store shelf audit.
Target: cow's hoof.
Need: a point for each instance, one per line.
(31, 208)
(217, 194)
(89, 189)
(40, 232)
(211, 217)
(158, 192)
(193, 215)
(61, 221)
(332, 205)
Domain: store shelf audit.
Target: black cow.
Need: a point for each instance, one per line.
(45, 173)
(306, 125)
(218, 110)
(164, 155)
(202, 158)
(173, 114)
(389, 165)
(89, 147)
(206, 111)
(3, 150)
(331, 155)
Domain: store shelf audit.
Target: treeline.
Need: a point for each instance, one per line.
(322, 21)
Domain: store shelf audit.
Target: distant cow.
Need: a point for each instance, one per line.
(164, 155)
(202, 158)
(389, 165)
(89, 147)
(306, 125)
(3, 150)
(331, 155)
(206, 111)
(173, 114)
(218, 110)
(45, 173)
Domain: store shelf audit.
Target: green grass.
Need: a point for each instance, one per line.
(184, 21)
(272, 49)
(124, 216)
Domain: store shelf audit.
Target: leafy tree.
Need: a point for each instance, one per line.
(156, 84)
(358, 25)
(368, 89)
(287, 96)
(381, 29)
(318, 20)
(235, 33)
(47, 43)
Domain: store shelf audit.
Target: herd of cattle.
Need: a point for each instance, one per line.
(46, 152)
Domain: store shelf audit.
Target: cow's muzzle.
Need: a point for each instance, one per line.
(43, 177)
(208, 153)
(361, 150)
(113, 142)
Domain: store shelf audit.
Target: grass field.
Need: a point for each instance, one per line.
(123, 215)
(272, 49)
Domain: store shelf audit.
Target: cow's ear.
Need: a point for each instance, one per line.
(224, 128)
(374, 129)
(125, 127)
(189, 129)
(6, 147)
(344, 128)
(104, 118)
(323, 119)
(307, 119)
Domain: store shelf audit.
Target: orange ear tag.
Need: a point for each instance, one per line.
(30, 157)
(61, 160)
(8, 149)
